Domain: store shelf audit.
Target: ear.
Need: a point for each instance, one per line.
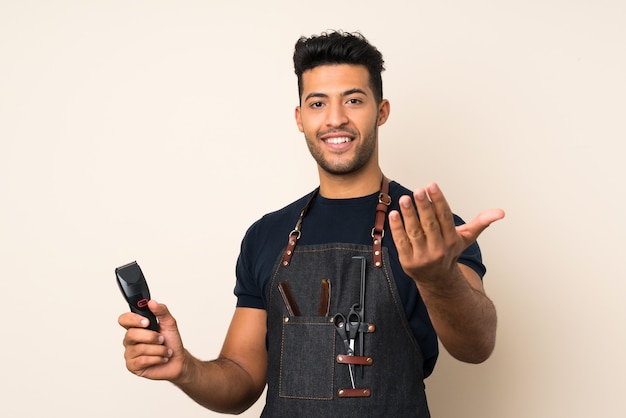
(299, 119)
(383, 111)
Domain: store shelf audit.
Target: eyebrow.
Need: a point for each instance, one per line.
(345, 93)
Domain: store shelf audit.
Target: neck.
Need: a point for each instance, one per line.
(345, 186)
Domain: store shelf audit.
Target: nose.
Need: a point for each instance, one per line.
(336, 116)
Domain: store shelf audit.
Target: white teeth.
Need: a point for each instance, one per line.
(339, 140)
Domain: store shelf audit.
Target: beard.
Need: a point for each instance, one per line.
(342, 166)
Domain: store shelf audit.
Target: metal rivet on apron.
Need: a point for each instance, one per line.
(366, 392)
(339, 358)
(286, 319)
(285, 263)
(340, 392)
(378, 263)
(371, 328)
(369, 360)
(377, 253)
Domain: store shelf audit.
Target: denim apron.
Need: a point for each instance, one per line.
(309, 372)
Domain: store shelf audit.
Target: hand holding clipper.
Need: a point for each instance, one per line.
(134, 287)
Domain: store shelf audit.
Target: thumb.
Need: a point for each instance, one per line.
(471, 230)
(168, 327)
(163, 314)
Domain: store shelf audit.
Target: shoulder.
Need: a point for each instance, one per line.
(271, 231)
(279, 222)
(396, 188)
(259, 250)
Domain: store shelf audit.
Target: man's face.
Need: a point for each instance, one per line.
(339, 117)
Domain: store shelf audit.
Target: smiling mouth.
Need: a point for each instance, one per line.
(337, 140)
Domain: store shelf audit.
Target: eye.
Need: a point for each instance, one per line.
(316, 105)
(354, 100)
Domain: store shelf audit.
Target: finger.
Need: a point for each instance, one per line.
(132, 320)
(146, 350)
(471, 230)
(442, 212)
(136, 336)
(398, 233)
(166, 321)
(428, 219)
(140, 363)
(412, 223)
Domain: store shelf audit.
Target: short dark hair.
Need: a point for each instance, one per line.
(338, 47)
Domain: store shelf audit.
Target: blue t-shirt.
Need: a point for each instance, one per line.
(336, 221)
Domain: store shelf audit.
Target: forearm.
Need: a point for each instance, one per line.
(220, 385)
(463, 316)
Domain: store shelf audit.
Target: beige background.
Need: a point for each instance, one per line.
(158, 131)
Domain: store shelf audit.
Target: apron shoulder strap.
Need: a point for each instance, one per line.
(294, 235)
(378, 232)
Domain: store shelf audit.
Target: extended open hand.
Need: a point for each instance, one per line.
(429, 245)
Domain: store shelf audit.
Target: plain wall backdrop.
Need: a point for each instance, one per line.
(158, 131)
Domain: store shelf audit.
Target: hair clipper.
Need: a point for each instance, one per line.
(134, 287)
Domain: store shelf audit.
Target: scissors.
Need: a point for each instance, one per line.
(354, 324)
(345, 332)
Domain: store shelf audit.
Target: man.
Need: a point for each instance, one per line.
(340, 316)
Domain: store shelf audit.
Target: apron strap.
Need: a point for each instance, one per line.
(294, 235)
(378, 232)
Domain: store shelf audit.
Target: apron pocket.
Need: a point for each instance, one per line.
(307, 358)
